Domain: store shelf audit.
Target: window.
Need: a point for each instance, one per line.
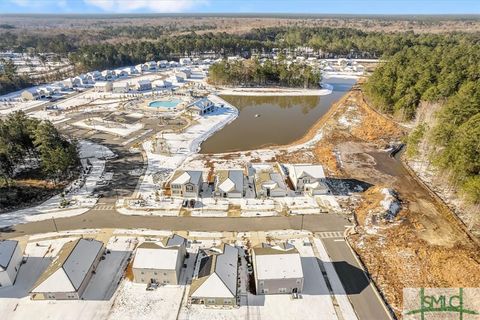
(265, 291)
(282, 290)
(210, 301)
(155, 273)
(142, 272)
(227, 301)
(261, 283)
(299, 281)
(164, 273)
(189, 188)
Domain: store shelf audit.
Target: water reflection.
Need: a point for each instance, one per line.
(280, 120)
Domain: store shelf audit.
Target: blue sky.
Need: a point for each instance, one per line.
(245, 6)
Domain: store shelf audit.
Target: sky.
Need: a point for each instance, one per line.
(243, 6)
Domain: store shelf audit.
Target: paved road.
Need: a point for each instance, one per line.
(367, 304)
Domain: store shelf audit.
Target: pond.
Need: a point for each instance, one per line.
(278, 120)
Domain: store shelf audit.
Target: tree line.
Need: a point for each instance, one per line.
(25, 140)
(253, 73)
(447, 74)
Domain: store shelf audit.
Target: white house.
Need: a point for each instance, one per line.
(187, 184)
(108, 75)
(151, 65)
(277, 269)
(10, 261)
(161, 84)
(215, 283)
(229, 183)
(30, 94)
(173, 64)
(102, 86)
(185, 61)
(120, 87)
(184, 73)
(202, 106)
(143, 85)
(267, 179)
(69, 273)
(141, 68)
(160, 262)
(162, 64)
(71, 83)
(121, 73)
(95, 75)
(308, 178)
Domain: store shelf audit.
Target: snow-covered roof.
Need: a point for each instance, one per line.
(101, 83)
(277, 263)
(70, 268)
(121, 85)
(313, 170)
(217, 275)
(151, 255)
(182, 177)
(201, 104)
(230, 180)
(144, 82)
(7, 248)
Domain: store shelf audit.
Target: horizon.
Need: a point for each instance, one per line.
(219, 7)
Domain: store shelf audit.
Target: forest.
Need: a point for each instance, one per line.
(252, 73)
(27, 140)
(447, 75)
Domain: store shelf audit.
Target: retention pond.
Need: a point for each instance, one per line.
(272, 120)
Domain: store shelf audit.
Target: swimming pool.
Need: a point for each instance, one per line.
(164, 103)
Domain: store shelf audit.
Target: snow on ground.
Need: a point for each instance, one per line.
(183, 145)
(79, 196)
(100, 124)
(162, 233)
(16, 304)
(136, 303)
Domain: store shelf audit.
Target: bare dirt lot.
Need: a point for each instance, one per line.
(424, 246)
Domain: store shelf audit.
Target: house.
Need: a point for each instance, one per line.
(108, 75)
(30, 94)
(161, 84)
(162, 64)
(277, 269)
(179, 79)
(173, 64)
(184, 73)
(95, 75)
(201, 106)
(84, 80)
(121, 73)
(160, 262)
(140, 68)
(185, 61)
(143, 85)
(130, 70)
(10, 261)
(267, 180)
(72, 82)
(69, 273)
(120, 87)
(102, 86)
(151, 65)
(215, 283)
(187, 184)
(308, 178)
(229, 183)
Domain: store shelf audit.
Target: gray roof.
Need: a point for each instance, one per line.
(7, 248)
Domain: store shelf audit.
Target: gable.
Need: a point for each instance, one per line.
(57, 282)
(213, 287)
